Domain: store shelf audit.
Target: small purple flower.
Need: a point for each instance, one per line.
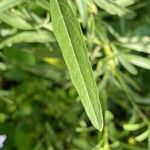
(2, 139)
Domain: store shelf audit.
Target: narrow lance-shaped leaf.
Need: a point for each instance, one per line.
(128, 66)
(111, 7)
(15, 21)
(7, 4)
(82, 6)
(41, 36)
(137, 43)
(70, 39)
(125, 2)
(138, 60)
(43, 4)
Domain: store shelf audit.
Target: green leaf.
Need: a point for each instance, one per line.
(143, 136)
(15, 21)
(142, 100)
(111, 7)
(102, 85)
(43, 4)
(70, 39)
(82, 6)
(41, 36)
(140, 44)
(132, 127)
(126, 2)
(130, 80)
(128, 66)
(7, 4)
(138, 60)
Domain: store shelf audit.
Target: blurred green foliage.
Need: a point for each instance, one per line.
(39, 107)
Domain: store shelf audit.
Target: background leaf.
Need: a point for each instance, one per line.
(138, 61)
(7, 4)
(41, 36)
(15, 21)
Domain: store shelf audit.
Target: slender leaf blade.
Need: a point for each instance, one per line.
(128, 66)
(140, 44)
(111, 7)
(70, 39)
(7, 4)
(138, 61)
(15, 21)
(82, 7)
(43, 4)
(41, 36)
